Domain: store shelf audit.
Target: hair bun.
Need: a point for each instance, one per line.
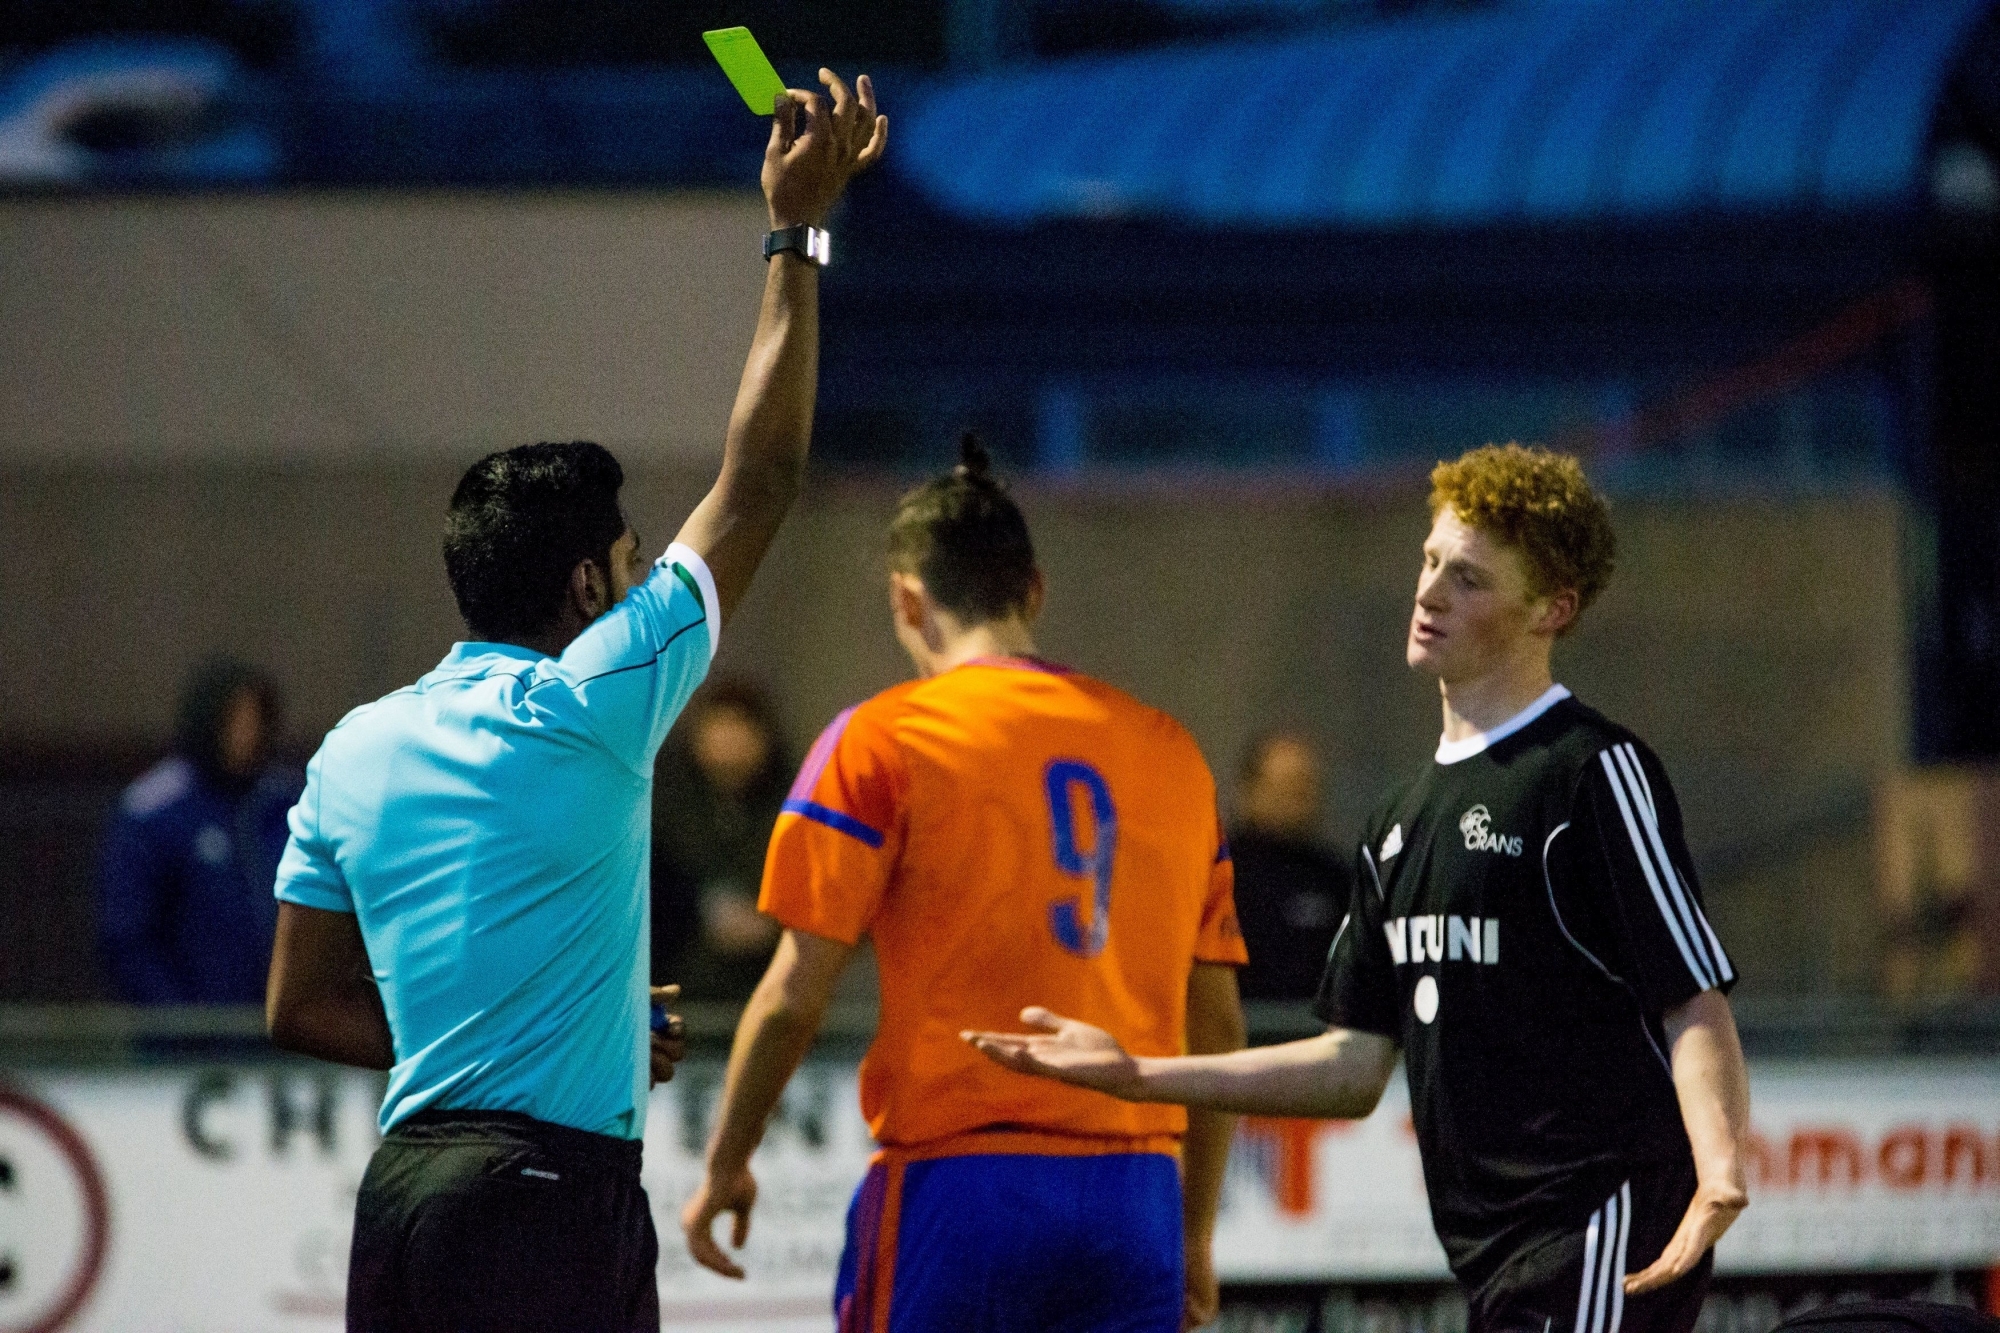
(974, 463)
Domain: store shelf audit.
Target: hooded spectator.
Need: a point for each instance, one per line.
(191, 857)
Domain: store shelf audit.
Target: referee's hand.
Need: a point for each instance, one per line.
(806, 169)
(669, 1042)
(1708, 1216)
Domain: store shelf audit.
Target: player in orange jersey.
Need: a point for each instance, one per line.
(1006, 832)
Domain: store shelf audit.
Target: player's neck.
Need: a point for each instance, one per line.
(996, 638)
(1481, 703)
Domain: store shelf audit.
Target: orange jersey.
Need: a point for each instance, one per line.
(1008, 833)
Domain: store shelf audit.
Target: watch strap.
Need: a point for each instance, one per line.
(804, 240)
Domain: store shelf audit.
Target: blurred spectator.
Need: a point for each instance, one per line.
(1291, 890)
(186, 911)
(720, 782)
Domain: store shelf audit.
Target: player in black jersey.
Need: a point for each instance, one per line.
(1527, 928)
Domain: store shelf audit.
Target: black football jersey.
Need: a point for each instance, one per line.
(1522, 916)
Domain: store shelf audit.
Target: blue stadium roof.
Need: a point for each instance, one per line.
(1557, 111)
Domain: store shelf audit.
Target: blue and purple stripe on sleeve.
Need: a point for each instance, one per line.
(799, 800)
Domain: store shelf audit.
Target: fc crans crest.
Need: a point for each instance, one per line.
(1476, 825)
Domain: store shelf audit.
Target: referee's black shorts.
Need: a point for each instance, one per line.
(1573, 1280)
(495, 1222)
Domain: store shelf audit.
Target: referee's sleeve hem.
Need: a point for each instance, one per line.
(711, 604)
(328, 902)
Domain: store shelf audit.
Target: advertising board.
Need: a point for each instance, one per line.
(219, 1198)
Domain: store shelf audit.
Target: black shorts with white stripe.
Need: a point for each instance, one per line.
(1573, 1280)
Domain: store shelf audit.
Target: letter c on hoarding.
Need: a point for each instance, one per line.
(49, 1136)
(214, 1085)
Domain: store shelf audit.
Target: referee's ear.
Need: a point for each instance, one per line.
(589, 589)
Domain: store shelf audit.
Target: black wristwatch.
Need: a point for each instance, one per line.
(804, 240)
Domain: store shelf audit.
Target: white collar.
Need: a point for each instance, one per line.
(1450, 752)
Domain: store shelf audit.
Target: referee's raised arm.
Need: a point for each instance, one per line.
(764, 455)
(463, 899)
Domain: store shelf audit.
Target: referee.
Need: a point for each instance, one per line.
(1527, 928)
(463, 901)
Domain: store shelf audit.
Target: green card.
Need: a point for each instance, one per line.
(745, 64)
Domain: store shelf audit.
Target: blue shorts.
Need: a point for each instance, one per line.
(1003, 1242)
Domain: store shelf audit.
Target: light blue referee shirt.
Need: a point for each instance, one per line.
(491, 828)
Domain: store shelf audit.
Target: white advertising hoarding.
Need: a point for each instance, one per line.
(1880, 1166)
(219, 1199)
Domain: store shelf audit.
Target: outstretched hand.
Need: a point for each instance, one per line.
(1073, 1052)
(806, 169)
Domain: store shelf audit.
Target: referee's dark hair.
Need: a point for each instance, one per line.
(964, 536)
(520, 521)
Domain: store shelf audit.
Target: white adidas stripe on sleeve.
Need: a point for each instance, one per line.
(1696, 965)
(1649, 823)
(1691, 914)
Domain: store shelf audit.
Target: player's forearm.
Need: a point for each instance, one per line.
(1214, 1027)
(1204, 1163)
(1713, 1088)
(773, 1037)
(1205, 1150)
(1338, 1075)
(770, 429)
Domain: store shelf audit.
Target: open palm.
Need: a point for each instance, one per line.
(1066, 1050)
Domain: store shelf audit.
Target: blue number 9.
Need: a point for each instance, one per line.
(1064, 917)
